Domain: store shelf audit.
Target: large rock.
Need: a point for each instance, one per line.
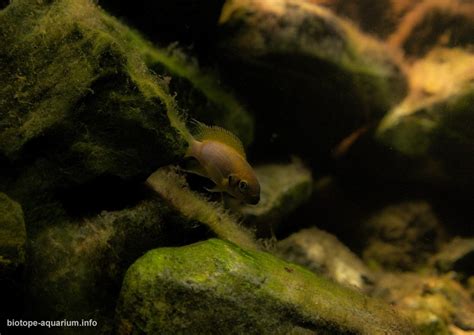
(84, 103)
(311, 77)
(78, 266)
(216, 287)
(431, 127)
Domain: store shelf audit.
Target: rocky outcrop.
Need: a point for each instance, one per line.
(431, 127)
(216, 285)
(303, 70)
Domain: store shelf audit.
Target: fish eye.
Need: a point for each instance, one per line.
(243, 185)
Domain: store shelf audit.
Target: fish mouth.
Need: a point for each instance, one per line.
(253, 200)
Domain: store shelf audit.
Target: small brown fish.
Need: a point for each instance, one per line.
(222, 159)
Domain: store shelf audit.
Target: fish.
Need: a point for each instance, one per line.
(221, 157)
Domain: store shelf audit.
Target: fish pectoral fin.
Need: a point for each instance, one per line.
(192, 165)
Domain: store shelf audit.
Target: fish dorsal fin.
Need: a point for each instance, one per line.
(218, 134)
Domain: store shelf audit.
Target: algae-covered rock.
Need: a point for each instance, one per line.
(311, 77)
(73, 85)
(80, 103)
(402, 236)
(432, 126)
(87, 98)
(324, 254)
(194, 207)
(434, 303)
(200, 92)
(284, 188)
(78, 266)
(217, 287)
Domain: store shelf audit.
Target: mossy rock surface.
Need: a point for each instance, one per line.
(194, 207)
(216, 287)
(78, 265)
(87, 98)
(311, 78)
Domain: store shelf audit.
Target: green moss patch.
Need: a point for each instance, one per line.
(215, 286)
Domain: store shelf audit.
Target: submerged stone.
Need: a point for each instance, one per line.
(78, 266)
(311, 77)
(194, 207)
(432, 126)
(87, 99)
(324, 254)
(215, 286)
(284, 188)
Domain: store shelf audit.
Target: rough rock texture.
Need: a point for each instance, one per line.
(78, 266)
(432, 125)
(324, 254)
(84, 102)
(284, 188)
(84, 121)
(195, 207)
(457, 255)
(304, 70)
(434, 303)
(402, 236)
(200, 92)
(214, 286)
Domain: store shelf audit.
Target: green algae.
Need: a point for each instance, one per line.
(78, 265)
(215, 286)
(86, 97)
(193, 206)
